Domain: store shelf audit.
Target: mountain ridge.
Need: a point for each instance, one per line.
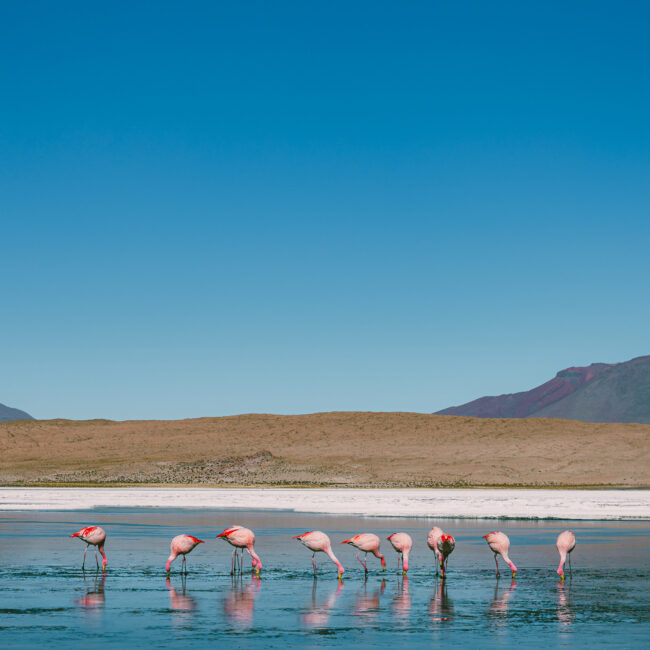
(600, 392)
(7, 414)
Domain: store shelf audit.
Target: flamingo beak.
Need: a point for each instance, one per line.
(340, 576)
(514, 575)
(403, 573)
(561, 577)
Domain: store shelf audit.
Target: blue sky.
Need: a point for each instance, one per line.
(295, 207)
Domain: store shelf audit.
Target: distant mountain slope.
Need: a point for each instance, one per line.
(7, 413)
(601, 392)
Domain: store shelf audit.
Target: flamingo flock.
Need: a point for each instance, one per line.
(243, 539)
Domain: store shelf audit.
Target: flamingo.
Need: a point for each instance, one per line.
(565, 543)
(499, 543)
(368, 543)
(318, 542)
(402, 543)
(182, 545)
(446, 544)
(93, 536)
(432, 542)
(241, 538)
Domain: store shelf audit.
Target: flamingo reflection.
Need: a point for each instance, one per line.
(499, 605)
(318, 614)
(441, 608)
(367, 604)
(180, 602)
(565, 613)
(94, 598)
(239, 603)
(401, 604)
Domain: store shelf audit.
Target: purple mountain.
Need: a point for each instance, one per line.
(601, 392)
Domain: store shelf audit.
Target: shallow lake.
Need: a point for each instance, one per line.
(46, 600)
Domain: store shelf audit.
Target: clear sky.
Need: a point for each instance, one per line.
(217, 208)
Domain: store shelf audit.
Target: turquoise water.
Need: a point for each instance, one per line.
(46, 600)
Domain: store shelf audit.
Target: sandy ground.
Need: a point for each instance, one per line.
(344, 449)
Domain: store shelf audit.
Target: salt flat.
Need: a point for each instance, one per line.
(445, 503)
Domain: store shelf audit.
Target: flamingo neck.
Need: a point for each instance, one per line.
(105, 560)
(330, 554)
(170, 559)
(560, 569)
(257, 563)
(509, 562)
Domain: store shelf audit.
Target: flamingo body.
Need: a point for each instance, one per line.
(93, 536)
(565, 543)
(368, 543)
(182, 545)
(445, 545)
(432, 540)
(318, 542)
(402, 543)
(499, 544)
(242, 538)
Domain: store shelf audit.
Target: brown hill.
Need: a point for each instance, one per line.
(345, 449)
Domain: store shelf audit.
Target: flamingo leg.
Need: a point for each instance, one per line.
(83, 564)
(570, 569)
(184, 566)
(313, 561)
(96, 560)
(496, 559)
(232, 563)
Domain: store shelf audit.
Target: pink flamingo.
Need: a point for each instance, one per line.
(368, 543)
(241, 538)
(318, 542)
(181, 545)
(446, 544)
(93, 536)
(499, 543)
(565, 543)
(432, 542)
(402, 543)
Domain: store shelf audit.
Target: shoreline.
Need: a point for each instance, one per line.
(319, 486)
(472, 503)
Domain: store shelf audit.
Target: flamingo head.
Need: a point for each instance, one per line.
(560, 572)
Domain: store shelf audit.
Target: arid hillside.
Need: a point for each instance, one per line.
(346, 449)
